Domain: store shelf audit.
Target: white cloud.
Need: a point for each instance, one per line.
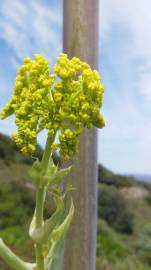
(134, 17)
(144, 85)
(30, 26)
(125, 142)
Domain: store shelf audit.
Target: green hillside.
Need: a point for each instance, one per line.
(124, 213)
(124, 223)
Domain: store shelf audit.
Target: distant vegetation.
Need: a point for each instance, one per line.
(112, 207)
(9, 151)
(124, 213)
(108, 178)
(124, 222)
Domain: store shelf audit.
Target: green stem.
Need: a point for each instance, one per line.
(40, 198)
(12, 260)
(47, 153)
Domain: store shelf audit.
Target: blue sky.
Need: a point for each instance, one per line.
(28, 27)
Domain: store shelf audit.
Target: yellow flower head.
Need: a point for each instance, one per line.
(66, 100)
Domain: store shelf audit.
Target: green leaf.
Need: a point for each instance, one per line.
(41, 235)
(56, 178)
(12, 260)
(53, 260)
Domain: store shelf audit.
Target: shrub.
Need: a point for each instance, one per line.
(144, 245)
(127, 264)
(108, 178)
(113, 208)
(109, 245)
(148, 197)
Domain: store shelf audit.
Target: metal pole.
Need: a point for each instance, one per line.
(80, 38)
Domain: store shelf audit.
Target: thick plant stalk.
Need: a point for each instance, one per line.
(12, 260)
(40, 198)
(80, 38)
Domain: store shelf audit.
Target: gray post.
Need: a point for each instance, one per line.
(80, 38)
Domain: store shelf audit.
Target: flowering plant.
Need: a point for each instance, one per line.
(63, 102)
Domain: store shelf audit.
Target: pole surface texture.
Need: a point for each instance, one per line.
(80, 38)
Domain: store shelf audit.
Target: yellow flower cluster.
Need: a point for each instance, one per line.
(65, 101)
